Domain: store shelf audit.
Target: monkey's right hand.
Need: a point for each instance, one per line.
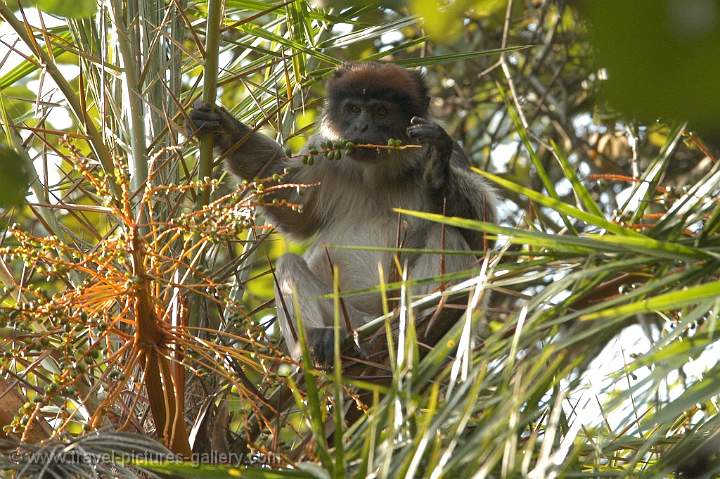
(225, 128)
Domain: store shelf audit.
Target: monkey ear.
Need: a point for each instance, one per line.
(422, 94)
(426, 103)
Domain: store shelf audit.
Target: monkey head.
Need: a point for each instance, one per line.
(370, 102)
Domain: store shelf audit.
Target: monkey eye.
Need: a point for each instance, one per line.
(381, 111)
(353, 108)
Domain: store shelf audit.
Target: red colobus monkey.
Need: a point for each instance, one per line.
(367, 103)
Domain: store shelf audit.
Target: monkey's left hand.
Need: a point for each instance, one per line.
(440, 147)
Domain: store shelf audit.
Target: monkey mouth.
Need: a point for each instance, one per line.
(368, 153)
(368, 140)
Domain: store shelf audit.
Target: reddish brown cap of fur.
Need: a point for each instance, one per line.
(381, 81)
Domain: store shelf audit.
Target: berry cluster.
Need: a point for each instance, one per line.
(332, 150)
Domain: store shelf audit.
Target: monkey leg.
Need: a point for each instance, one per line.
(295, 279)
(432, 326)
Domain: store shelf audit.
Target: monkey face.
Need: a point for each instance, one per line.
(368, 121)
(368, 103)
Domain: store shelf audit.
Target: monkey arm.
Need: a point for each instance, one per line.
(468, 196)
(249, 155)
(458, 191)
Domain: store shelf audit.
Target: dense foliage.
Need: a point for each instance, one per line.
(137, 314)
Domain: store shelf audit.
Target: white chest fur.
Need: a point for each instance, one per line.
(355, 204)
